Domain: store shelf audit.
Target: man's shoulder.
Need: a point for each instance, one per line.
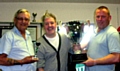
(8, 34)
(111, 29)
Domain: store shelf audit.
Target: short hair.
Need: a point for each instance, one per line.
(47, 15)
(21, 11)
(103, 7)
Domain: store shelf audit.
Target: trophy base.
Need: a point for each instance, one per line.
(77, 58)
(33, 20)
(73, 59)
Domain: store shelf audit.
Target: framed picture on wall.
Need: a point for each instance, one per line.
(33, 32)
(4, 29)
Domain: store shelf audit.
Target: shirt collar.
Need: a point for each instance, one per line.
(102, 29)
(18, 32)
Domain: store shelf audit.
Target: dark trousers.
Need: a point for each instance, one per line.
(117, 67)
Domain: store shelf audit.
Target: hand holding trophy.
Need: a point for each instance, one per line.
(77, 49)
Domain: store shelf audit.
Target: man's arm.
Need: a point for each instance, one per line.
(9, 61)
(109, 59)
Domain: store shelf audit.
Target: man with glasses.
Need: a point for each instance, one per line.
(16, 48)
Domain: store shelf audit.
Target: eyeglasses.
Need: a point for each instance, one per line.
(21, 19)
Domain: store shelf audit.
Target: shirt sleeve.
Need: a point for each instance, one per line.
(6, 42)
(114, 43)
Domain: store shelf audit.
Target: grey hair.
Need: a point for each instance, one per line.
(21, 11)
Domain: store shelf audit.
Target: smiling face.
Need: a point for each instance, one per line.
(102, 18)
(22, 21)
(50, 26)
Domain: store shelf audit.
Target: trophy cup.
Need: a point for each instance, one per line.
(34, 16)
(75, 34)
(36, 45)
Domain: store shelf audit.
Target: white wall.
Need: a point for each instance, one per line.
(118, 15)
(63, 11)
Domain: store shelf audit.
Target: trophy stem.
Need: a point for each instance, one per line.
(34, 16)
(33, 20)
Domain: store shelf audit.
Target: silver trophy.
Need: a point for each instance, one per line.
(75, 33)
(75, 30)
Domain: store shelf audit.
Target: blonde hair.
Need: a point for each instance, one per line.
(47, 15)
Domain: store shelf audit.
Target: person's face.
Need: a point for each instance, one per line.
(50, 27)
(22, 21)
(102, 18)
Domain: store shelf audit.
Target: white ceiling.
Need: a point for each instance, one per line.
(68, 1)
